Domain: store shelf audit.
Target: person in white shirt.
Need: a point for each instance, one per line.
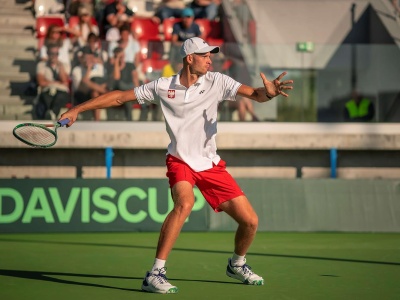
(189, 102)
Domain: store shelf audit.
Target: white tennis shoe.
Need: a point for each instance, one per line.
(243, 274)
(157, 282)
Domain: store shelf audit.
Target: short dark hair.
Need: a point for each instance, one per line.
(92, 35)
(118, 50)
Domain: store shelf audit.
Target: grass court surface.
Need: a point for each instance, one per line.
(111, 266)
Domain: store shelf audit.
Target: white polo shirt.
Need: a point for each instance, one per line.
(191, 114)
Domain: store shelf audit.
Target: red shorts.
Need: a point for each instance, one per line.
(216, 184)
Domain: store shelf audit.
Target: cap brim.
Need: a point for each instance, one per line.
(211, 49)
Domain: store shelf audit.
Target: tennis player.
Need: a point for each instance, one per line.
(189, 102)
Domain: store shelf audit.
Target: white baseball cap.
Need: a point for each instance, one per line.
(197, 45)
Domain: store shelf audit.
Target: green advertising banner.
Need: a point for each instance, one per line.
(76, 205)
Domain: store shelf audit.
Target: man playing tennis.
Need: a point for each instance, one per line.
(189, 102)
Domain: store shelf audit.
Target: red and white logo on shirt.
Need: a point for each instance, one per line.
(171, 94)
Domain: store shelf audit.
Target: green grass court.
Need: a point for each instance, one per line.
(111, 266)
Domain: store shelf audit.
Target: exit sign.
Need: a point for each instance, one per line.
(305, 47)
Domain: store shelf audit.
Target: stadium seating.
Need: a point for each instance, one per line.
(147, 33)
(42, 25)
(152, 68)
(212, 31)
(74, 20)
(144, 28)
(168, 25)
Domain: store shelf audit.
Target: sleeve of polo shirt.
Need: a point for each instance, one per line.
(230, 87)
(146, 92)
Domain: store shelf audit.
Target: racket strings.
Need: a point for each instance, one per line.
(36, 135)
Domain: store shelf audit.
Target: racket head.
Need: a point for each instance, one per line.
(35, 135)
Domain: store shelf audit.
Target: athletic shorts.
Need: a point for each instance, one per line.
(216, 184)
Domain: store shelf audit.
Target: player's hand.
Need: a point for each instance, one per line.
(276, 87)
(71, 114)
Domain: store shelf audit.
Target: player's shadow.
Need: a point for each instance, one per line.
(49, 277)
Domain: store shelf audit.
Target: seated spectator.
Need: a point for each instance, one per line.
(168, 9)
(72, 7)
(53, 82)
(130, 45)
(114, 11)
(93, 46)
(123, 76)
(85, 26)
(89, 80)
(204, 9)
(186, 28)
(183, 30)
(54, 35)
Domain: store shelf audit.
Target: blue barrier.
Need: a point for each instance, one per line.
(333, 156)
(109, 157)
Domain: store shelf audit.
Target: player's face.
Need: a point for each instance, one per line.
(201, 63)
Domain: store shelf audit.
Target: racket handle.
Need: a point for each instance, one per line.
(63, 122)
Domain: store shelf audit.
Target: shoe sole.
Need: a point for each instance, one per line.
(234, 276)
(173, 290)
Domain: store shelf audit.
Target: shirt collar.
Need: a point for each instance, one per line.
(177, 82)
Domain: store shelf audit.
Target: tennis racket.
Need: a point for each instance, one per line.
(38, 135)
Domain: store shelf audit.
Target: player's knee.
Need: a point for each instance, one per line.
(184, 207)
(251, 222)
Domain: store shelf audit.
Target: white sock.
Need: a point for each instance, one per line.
(158, 264)
(237, 260)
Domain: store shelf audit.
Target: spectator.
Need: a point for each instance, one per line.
(54, 35)
(204, 9)
(53, 82)
(115, 11)
(186, 28)
(168, 9)
(72, 7)
(359, 109)
(128, 43)
(123, 76)
(89, 80)
(85, 26)
(95, 47)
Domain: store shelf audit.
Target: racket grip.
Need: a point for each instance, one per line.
(63, 122)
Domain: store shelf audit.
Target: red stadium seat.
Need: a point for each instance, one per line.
(43, 23)
(152, 68)
(168, 25)
(212, 31)
(145, 29)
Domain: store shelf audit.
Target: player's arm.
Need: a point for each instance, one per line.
(114, 98)
(270, 90)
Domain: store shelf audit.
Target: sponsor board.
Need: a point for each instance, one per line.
(77, 205)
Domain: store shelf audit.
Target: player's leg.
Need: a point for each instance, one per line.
(243, 213)
(156, 280)
(182, 194)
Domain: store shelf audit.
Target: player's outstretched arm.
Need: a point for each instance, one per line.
(114, 98)
(270, 90)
